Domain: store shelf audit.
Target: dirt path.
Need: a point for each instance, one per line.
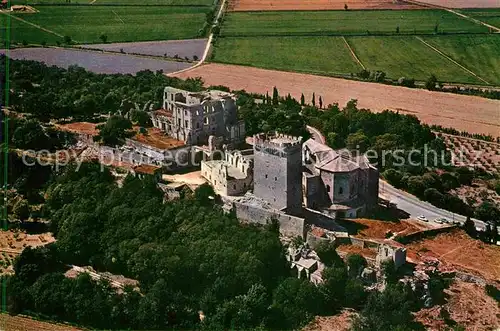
(209, 43)
(34, 25)
(467, 113)
(352, 53)
(450, 59)
(474, 20)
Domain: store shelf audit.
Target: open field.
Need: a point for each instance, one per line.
(96, 62)
(467, 113)
(183, 48)
(85, 24)
(468, 305)
(246, 5)
(408, 57)
(462, 252)
(322, 55)
(479, 53)
(117, 2)
(19, 31)
(274, 23)
(25, 323)
(463, 3)
(490, 16)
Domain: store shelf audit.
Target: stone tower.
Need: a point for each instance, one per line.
(278, 171)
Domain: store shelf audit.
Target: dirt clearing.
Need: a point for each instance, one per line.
(467, 113)
(467, 304)
(460, 251)
(22, 323)
(249, 5)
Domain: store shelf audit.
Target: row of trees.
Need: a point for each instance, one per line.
(53, 93)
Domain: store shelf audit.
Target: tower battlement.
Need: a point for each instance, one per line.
(278, 142)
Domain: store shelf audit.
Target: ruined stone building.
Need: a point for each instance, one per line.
(337, 182)
(278, 171)
(194, 116)
(231, 176)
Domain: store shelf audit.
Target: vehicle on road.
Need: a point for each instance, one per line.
(422, 218)
(442, 220)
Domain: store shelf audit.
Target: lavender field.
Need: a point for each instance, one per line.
(183, 48)
(94, 61)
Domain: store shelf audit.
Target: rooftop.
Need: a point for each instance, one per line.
(162, 112)
(330, 160)
(146, 169)
(156, 138)
(80, 127)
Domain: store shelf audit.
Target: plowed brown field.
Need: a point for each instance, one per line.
(468, 113)
(22, 323)
(249, 5)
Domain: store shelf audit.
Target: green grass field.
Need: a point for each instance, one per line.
(407, 57)
(480, 54)
(117, 2)
(20, 32)
(345, 22)
(321, 55)
(490, 16)
(84, 24)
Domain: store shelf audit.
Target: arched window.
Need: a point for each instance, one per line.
(341, 190)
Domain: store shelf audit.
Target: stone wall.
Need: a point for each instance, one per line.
(289, 225)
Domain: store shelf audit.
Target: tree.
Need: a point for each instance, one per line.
(470, 227)
(114, 131)
(346, 7)
(334, 286)
(357, 141)
(296, 301)
(386, 310)
(43, 43)
(103, 38)
(389, 271)
(431, 83)
(320, 102)
(487, 212)
(275, 96)
(313, 101)
(22, 210)
(328, 254)
(355, 294)
(67, 40)
(397, 29)
(141, 118)
(356, 263)
(302, 100)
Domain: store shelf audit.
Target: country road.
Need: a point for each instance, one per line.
(209, 42)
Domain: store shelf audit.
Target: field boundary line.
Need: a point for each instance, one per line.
(450, 59)
(118, 16)
(353, 53)
(34, 25)
(475, 20)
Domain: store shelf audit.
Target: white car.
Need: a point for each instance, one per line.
(441, 220)
(422, 218)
